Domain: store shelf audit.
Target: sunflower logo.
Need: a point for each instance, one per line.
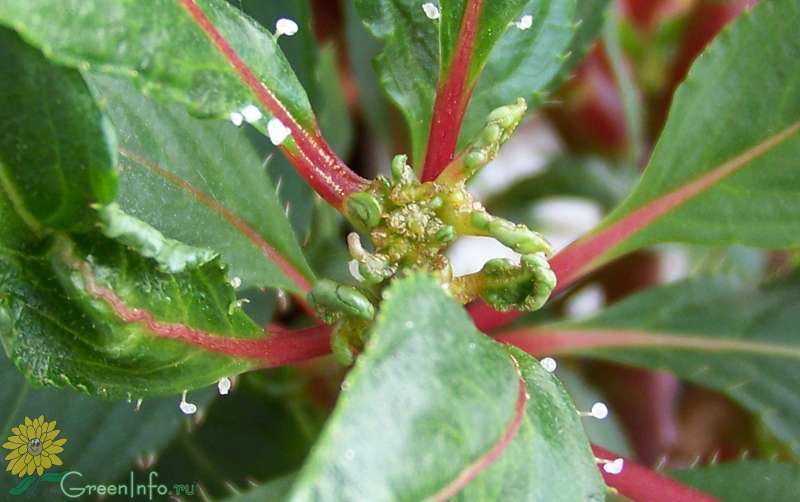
(34, 447)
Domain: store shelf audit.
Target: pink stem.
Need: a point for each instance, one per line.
(452, 98)
(641, 484)
(313, 157)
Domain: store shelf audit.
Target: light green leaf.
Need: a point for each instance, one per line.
(57, 153)
(712, 331)
(201, 183)
(433, 405)
(745, 481)
(514, 63)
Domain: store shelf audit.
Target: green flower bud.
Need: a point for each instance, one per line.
(526, 286)
(364, 210)
(333, 301)
(401, 172)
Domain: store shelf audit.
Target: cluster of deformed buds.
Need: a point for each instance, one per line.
(411, 223)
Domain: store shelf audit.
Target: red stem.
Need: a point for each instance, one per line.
(452, 98)
(641, 484)
(311, 155)
(284, 347)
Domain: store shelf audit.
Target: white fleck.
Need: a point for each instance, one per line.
(599, 410)
(277, 131)
(472, 346)
(285, 27)
(585, 302)
(615, 466)
(549, 364)
(138, 404)
(525, 22)
(187, 408)
(283, 300)
(224, 386)
(409, 324)
(352, 265)
(236, 282)
(236, 118)
(251, 113)
(431, 10)
(349, 455)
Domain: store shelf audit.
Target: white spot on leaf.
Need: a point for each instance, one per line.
(549, 364)
(224, 386)
(525, 22)
(251, 113)
(285, 27)
(236, 118)
(277, 131)
(431, 10)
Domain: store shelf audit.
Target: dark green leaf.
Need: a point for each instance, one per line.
(58, 326)
(262, 430)
(431, 399)
(725, 168)
(103, 438)
(514, 62)
(201, 182)
(712, 331)
(745, 481)
(57, 153)
(160, 47)
(591, 16)
(277, 489)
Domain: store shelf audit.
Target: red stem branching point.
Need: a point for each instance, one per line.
(452, 97)
(314, 159)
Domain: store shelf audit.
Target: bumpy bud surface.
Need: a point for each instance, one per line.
(333, 301)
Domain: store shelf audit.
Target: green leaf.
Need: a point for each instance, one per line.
(103, 438)
(406, 425)
(57, 153)
(506, 62)
(725, 168)
(745, 481)
(201, 182)
(162, 49)
(712, 331)
(58, 325)
(591, 15)
(276, 489)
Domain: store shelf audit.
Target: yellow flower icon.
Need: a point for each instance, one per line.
(34, 447)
